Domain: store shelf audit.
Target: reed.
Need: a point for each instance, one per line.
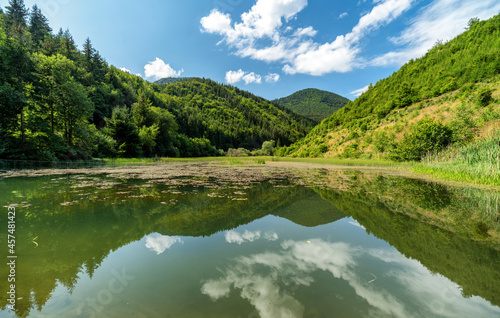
(478, 162)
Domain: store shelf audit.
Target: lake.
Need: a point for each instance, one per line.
(213, 240)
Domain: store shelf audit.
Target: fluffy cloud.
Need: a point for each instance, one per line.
(125, 70)
(296, 50)
(233, 77)
(158, 69)
(342, 55)
(262, 34)
(272, 77)
(441, 20)
(360, 91)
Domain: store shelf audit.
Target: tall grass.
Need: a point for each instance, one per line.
(477, 162)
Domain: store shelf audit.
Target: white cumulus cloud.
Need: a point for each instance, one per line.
(125, 70)
(159, 69)
(360, 91)
(440, 20)
(262, 35)
(233, 77)
(272, 77)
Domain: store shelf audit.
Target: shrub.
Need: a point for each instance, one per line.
(425, 136)
(484, 96)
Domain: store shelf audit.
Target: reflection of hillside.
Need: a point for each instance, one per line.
(397, 219)
(76, 228)
(311, 211)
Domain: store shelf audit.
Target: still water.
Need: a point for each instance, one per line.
(249, 243)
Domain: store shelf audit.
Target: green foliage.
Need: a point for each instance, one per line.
(61, 103)
(240, 152)
(484, 96)
(425, 136)
(475, 162)
(268, 147)
(463, 125)
(313, 103)
(470, 58)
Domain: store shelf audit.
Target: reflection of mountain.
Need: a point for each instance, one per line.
(378, 205)
(78, 221)
(77, 227)
(310, 211)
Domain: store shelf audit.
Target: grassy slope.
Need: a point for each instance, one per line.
(443, 85)
(313, 103)
(447, 77)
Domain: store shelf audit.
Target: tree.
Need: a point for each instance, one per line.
(65, 45)
(93, 62)
(75, 110)
(141, 111)
(16, 14)
(15, 22)
(267, 147)
(39, 28)
(65, 99)
(16, 70)
(124, 131)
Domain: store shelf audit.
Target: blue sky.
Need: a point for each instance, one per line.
(269, 47)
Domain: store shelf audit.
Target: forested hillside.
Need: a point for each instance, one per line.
(313, 103)
(171, 80)
(58, 102)
(449, 96)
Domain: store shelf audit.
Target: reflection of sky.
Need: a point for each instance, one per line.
(270, 291)
(248, 236)
(159, 243)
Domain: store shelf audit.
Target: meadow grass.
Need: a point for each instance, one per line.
(478, 162)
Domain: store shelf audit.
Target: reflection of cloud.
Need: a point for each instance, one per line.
(235, 237)
(247, 236)
(355, 223)
(265, 280)
(159, 243)
(251, 236)
(271, 236)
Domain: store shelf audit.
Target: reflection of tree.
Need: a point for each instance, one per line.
(395, 209)
(77, 227)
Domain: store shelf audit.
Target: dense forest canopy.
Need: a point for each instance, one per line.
(313, 103)
(58, 102)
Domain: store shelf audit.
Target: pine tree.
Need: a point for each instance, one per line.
(88, 55)
(39, 27)
(16, 14)
(15, 22)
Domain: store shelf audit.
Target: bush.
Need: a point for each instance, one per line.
(484, 97)
(240, 152)
(425, 136)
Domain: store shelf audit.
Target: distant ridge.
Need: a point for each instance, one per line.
(171, 80)
(313, 103)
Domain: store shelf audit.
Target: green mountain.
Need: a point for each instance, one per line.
(313, 103)
(449, 96)
(58, 102)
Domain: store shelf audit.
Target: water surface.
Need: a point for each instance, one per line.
(251, 242)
